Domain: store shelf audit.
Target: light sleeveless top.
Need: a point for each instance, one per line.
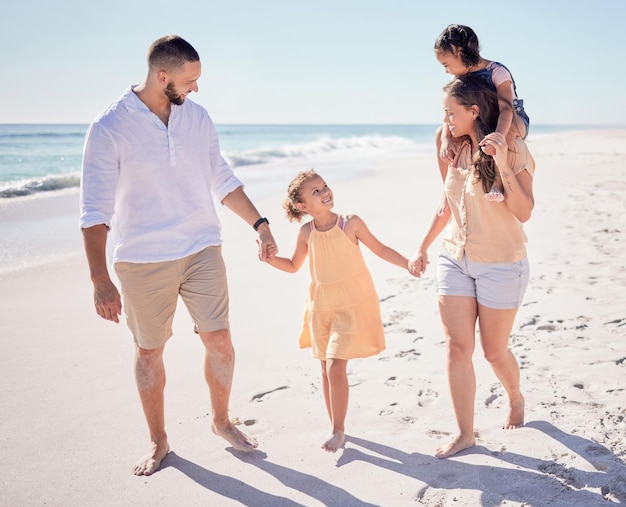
(484, 231)
(342, 313)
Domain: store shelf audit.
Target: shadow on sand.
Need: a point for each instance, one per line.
(324, 492)
(524, 482)
(559, 485)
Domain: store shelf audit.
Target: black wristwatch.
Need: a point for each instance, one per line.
(260, 221)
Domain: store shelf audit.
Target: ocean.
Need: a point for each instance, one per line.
(42, 158)
(40, 172)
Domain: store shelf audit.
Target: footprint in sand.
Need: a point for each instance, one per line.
(411, 353)
(391, 381)
(395, 318)
(494, 395)
(260, 396)
(547, 327)
(531, 322)
(438, 433)
(619, 322)
(390, 409)
(565, 475)
(491, 399)
(426, 397)
(248, 422)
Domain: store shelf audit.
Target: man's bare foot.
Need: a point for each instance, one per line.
(235, 437)
(516, 415)
(151, 462)
(457, 445)
(334, 442)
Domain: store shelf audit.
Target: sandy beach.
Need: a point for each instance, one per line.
(72, 426)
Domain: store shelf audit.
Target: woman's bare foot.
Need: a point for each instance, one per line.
(236, 438)
(334, 442)
(516, 415)
(457, 445)
(151, 462)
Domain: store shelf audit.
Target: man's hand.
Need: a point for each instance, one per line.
(267, 245)
(107, 301)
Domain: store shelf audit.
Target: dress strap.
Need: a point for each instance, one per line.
(341, 222)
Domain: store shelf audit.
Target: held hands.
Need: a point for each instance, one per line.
(418, 263)
(494, 145)
(267, 245)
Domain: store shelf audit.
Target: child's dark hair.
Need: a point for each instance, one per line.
(460, 38)
(294, 197)
(471, 90)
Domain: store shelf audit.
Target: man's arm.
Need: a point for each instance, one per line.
(238, 202)
(105, 295)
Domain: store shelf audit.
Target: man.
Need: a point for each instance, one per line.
(152, 172)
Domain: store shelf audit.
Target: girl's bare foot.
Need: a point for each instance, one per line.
(236, 438)
(457, 445)
(151, 462)
(334, 442)
(516, 415)
(494, 195)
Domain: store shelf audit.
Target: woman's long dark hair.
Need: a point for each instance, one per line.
(470, 91)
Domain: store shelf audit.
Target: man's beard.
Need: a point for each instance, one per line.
(174, 97)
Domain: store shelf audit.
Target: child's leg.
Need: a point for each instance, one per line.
(337, 401)
(517, 129)
(325, 389)
(496, 193)
(443, 165)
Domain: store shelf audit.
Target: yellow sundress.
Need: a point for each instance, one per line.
(342, 311)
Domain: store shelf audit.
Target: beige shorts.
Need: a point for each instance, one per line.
(151, 292)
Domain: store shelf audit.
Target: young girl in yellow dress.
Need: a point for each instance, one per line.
(342, 313)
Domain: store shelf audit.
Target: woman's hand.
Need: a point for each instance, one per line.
(518, 187)
(495, 146)
(418, 263)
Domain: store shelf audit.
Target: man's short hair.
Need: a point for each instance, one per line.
(170, 52)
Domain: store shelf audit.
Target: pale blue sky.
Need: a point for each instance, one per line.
(321, 61)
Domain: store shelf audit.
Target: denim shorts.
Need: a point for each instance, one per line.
(500, 286)
(518, 105)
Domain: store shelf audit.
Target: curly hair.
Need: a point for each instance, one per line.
(472, 90)
(460, 38)
(294, 197)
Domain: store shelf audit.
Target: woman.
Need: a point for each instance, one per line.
(482, 268)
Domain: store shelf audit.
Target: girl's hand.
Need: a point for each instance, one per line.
(447, 151)
(267, 248)
(417, 264)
